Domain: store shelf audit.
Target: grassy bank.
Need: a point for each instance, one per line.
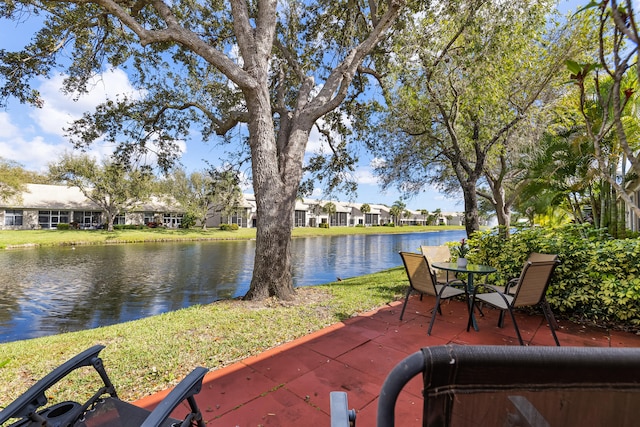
(151, 354)
(27, 238)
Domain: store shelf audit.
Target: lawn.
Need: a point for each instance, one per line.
(22, 238)
(152, 354)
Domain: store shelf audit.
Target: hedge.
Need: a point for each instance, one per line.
(597, 280)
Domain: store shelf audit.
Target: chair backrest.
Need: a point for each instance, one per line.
(533, 282)
(519, 386)
(419, 272)
(440, 253)
(536, 257)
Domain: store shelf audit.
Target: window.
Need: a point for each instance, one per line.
(12, 217)
(339, 218)
(87, 219)
(149, 217)
(371, 219)
(119, 219)
(238, 218)
(51, 219)
(300, 219)
(172, 220)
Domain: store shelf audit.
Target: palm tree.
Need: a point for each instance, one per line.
(407, 214)
(330, 209)
(365, 209)
(425, 214)
(395, 212)
(437, 214)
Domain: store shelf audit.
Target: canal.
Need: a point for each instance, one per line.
(48, 291)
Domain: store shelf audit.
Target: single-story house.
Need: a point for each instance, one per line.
(45, 206)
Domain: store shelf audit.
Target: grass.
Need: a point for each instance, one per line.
(148, 355)
(26, 238)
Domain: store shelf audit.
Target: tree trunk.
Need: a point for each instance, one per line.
(275, 202)
(503, 210)
(471, 221)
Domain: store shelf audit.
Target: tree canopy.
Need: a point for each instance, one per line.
(113, 187)
(272, 69)
(470, 79)
(12, 179)
(203, 193)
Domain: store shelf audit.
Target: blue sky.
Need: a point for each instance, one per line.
(34, 137)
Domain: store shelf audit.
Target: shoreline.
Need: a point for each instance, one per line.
(29, 239)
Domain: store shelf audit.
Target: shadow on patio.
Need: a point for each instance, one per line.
(290, 384)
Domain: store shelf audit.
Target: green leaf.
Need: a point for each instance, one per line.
(573, 66)
(592, 4)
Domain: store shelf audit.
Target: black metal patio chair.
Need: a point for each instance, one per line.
(513, 386)
(103, 408)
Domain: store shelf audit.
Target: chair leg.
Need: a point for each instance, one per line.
(549, 314)
(551, 320)
(406, 299)
(434, 313)
(501, 319)
(515, 325)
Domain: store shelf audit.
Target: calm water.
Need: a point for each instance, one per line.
(52, 290)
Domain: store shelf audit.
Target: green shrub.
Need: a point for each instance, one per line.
(63, 226)
(597, 280)
(229, 227)
(359, 225)
(323, 225)
(188, 220)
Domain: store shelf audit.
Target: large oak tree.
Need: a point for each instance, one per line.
(277, 67)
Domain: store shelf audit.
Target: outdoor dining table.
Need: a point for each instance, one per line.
(470, 270)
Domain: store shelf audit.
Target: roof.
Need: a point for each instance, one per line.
(61, 197)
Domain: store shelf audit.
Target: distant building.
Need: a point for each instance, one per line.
(46, 206)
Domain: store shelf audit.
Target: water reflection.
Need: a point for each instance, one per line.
(53, 290)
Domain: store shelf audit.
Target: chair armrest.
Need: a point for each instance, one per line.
(456, 282)
(185, 390)
(341, 415)
(35, 397)
(485, 286)
(510, 283)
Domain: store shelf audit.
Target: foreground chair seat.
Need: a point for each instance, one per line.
(513, 386)
(104, 408)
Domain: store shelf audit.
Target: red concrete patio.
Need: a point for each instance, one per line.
(290, 385)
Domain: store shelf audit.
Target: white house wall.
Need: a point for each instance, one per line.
(56, 197)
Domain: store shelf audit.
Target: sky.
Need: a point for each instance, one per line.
(35, 137)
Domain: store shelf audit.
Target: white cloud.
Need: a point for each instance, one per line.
(34, 154)
(7, 129)
(377, 162)
(364, 176)
(61, 109)
(35, 136)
